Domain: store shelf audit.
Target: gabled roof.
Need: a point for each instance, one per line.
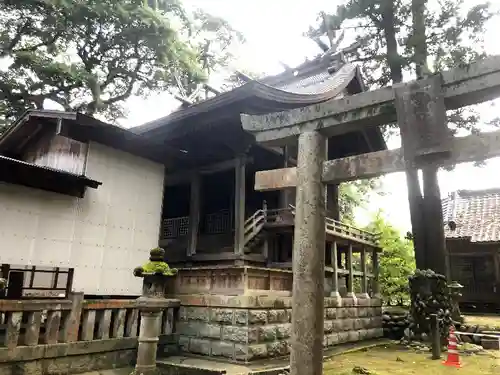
(254, 98)
(476, 214)
(313, 82)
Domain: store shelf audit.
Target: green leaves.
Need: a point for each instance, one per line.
(90, 55)
(397, 262)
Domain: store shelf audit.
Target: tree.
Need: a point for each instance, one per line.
(396, 262)
(392, 40)
(89, 56)
(213, 40)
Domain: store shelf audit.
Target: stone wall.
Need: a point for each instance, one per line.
(244, 329)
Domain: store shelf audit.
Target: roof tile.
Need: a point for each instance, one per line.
(476, 214)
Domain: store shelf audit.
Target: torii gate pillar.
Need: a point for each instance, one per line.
(306, 355)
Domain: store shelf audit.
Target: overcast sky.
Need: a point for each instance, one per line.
(273, 30)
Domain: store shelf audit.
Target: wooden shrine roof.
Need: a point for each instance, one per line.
(313, 82)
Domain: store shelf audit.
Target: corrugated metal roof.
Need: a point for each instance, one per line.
(476, 214)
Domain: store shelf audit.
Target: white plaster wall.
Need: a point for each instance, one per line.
(103, 235)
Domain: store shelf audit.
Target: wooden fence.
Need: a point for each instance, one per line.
(35, 322)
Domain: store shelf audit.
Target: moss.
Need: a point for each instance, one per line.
(156, 265)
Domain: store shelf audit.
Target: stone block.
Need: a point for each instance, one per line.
(332, 339)
(325, 341)
(347, 324)
(358, 324)
(289, 315)
(363, 333)
(331, 313)
(376, 302)
(212, 331)
(267, 333)
(222, 349)
(241, 317)
(185, 328)
(353, 336)
(349, 301)
(257, 352)
(377, 322)
(277, 316)
(197, 313)
(328, 326)
(338, 325)
(184, 343)
(343, 337)
(366, 323)
(363, 302)
(235, 334)
(374, 332)
(333, 301)
(59, 366)
(341, 312)
(257, 316)
(277, 349)
(379, 332)
(223, 316)
(351, 312)
(283, 331)
(200, 346)
(364, 312)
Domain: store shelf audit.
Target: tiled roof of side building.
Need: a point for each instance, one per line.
(475, 213)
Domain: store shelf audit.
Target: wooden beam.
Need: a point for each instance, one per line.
(185, 176)
(464, 86)
(463, 149)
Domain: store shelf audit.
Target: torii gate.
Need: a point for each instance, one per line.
(419, 108)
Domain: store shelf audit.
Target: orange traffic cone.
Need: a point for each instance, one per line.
(453, 359)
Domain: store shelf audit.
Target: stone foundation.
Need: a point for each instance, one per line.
(248, 328)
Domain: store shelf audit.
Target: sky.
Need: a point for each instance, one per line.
(273, 30)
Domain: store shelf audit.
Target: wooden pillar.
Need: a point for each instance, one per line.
(364, 279)
(376, 274)
(306, 354)
(335, 275)
(350, 280)
(194, 213)
(239, 205)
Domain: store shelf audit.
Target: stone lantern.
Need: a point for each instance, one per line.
(455, 294)
(151, 304)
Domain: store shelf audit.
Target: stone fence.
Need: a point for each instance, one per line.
(73, 335)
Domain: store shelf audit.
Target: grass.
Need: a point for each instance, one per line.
(483, 320)
(395, 360)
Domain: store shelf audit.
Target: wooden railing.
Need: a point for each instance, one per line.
(253, 225)
(34, 322)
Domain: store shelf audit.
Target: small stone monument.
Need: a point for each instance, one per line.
(151, 304)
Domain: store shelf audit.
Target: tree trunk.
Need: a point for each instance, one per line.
(433, 225)
(418, 39)
(414, 191)
(393, 57)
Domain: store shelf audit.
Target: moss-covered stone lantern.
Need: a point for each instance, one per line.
(151, 305)
(155, 274)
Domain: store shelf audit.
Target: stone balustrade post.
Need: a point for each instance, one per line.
(149, 332)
